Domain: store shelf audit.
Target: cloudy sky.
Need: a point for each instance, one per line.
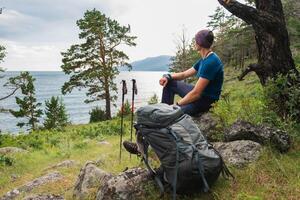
(36, 31)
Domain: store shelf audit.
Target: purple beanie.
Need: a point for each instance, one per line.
(204, 38)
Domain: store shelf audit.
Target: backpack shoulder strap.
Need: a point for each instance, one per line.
(200, 168)
(176, 165)
(146, 161)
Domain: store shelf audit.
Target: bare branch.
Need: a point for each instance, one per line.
(251, 68)
(12, 93)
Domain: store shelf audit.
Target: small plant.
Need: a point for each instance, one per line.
(35, 142)
(6, 161)
(153, 99)
(223, 110)
(56, 116)
(126, 109)
(54, 140)
(97, 115)
(279, 88)
(80, 145)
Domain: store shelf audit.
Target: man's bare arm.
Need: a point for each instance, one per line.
(183, 75)
(195, 94)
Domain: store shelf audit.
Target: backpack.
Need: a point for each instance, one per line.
(189, 163)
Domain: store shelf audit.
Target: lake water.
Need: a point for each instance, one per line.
(49, 84)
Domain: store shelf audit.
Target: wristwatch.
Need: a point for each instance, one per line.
(168, 76)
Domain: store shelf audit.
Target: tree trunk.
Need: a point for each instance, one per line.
(267, 20)
(107, 100)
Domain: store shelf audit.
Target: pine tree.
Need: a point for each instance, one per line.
(28, 105)
(94, 63)
(56, 116)
(97, 115)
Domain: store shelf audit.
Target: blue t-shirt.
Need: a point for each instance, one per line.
(212, 69)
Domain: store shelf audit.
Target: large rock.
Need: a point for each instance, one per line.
(238, 153)
(66, 163)
(242, 130)
(126, 185)
(90, 178)
(44, 197)
(51, 177)
(11, 150)
(208, 126)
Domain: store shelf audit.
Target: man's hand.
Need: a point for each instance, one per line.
(163, 81)
(227, 1)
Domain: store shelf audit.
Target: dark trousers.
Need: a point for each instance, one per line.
(203, 104)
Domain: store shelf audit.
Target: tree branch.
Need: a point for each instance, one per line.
(251, 15)
(251, 68)
(13, 92)
(3, 110)
(115, 45)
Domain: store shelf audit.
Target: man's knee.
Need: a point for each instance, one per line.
(172, 83)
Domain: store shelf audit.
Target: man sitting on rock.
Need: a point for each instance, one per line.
(209, 71)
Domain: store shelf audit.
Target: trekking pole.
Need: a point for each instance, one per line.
(124, 91)
(134, 92)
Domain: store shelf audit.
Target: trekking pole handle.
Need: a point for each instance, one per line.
(134, 87)
(124, 87)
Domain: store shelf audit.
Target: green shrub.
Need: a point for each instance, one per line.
(284, 97)
(56, 116)
(89, 132)
(112, 128)
(153, 99)
(35, 142)
(80, 145)
(6, 161)
(54, 140)
(97, 115)
(245, 101)
(126, 109)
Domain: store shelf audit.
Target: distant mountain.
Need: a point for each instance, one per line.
(158, 63)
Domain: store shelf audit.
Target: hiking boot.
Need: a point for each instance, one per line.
(131, 147)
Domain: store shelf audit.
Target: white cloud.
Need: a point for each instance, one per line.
(14, 22)
(41, 57)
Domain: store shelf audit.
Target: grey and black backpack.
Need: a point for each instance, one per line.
(189, 163)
